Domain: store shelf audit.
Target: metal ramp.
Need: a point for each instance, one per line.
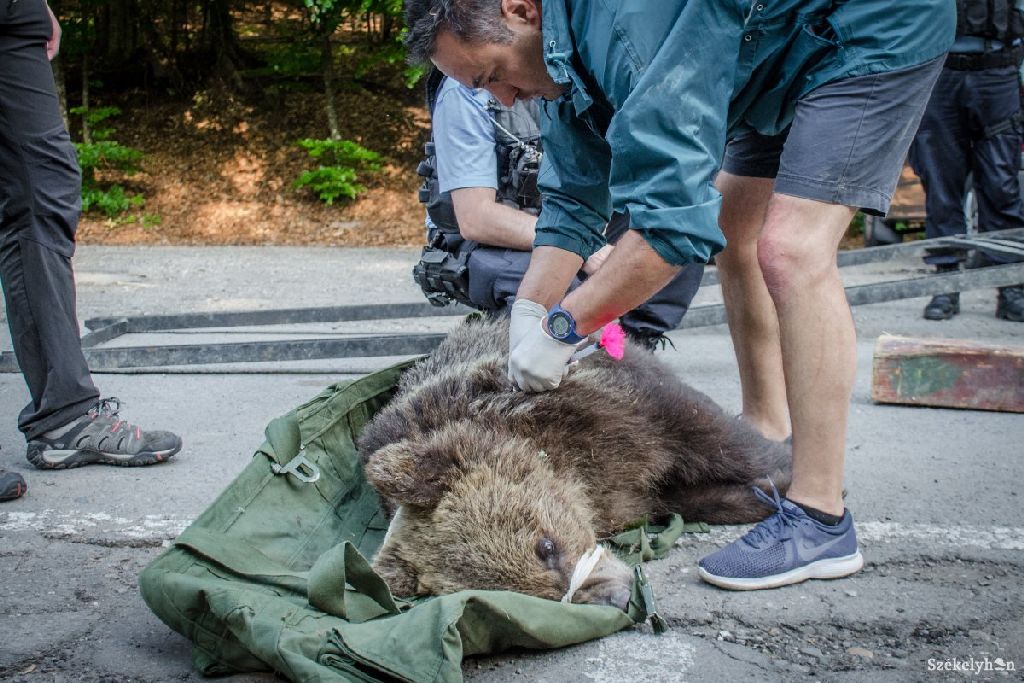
(277, 336)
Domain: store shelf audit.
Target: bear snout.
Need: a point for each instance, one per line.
(611, 583)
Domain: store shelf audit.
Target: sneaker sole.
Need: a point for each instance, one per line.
(52, 459)
(832, 568)
(1006, 315)
(943, 316)
(13, 491)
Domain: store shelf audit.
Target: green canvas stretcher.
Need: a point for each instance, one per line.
(274, 576)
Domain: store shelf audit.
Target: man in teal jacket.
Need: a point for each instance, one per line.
(763, 124)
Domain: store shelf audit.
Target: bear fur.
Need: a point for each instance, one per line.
(494, 488)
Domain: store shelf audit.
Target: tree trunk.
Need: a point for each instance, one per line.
(58, 73)
(327, 65)
(220, 42)
(116, 32)
(62, 92)
(86, 133)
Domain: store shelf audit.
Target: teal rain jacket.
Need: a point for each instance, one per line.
(657, 87)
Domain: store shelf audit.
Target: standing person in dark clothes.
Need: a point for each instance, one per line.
(67, 423)
(973, 123)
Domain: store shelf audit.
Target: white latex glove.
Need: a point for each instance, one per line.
(525, 314)
(538, 361)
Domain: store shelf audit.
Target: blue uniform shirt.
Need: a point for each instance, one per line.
(464, 138)
(656, 87)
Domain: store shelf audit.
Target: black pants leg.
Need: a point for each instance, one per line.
(997, 153)
(39, 208)
(956, 138)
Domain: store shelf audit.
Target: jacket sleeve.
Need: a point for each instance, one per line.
(668, 136)
(573, 182)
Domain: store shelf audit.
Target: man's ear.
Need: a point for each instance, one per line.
(521, 12)
(410, 472)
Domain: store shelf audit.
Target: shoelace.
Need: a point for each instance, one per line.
(779, 526)
(106, 406)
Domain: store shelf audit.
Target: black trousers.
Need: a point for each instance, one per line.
(40, 201)
(970, 126)
(496, 272)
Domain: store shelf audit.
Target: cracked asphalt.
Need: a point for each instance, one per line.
(936, 494)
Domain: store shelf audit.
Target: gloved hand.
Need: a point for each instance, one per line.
(525, 315)
(538, 361)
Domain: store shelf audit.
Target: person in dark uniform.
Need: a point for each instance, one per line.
(67, 423)
(973, 123)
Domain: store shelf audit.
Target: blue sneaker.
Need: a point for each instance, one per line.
(788, 547)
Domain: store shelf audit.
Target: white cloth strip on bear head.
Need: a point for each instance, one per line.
(584, 567)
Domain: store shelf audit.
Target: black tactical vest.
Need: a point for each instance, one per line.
(518, 151)
(443, 270)
(992, 19)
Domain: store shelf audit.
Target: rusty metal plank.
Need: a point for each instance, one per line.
(948, 373)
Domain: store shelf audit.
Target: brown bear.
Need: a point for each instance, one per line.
(494, 488)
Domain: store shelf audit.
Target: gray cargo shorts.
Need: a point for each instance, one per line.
(847, 142)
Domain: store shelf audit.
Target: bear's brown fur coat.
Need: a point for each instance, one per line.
(501, 489)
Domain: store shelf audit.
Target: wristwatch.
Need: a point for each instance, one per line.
(562, 326)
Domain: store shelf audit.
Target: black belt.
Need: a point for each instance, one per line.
(976, 61)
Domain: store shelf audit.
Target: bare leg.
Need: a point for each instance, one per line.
(753, 323)
(797, 255)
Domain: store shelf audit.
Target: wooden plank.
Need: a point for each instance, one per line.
(908, 199)
(948, 373)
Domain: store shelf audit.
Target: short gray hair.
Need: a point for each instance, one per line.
(476, 21)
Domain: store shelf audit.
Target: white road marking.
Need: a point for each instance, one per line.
(935, 535)
(619, 657)
(73, 523)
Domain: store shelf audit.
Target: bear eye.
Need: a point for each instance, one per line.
(546, 550)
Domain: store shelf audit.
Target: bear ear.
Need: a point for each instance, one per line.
(410, 473)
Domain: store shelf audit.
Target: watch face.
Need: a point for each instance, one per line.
(559, 325)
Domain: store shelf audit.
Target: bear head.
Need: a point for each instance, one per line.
(477, 508)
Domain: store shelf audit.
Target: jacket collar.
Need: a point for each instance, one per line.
(559, 53)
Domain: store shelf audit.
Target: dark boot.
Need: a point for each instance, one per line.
(1010, 305)
(12, 486)
(943, 306)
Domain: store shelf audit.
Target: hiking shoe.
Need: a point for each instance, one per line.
(12, 485)
(1010, 304)
(942, 306)
(100, 436)
(788, 547)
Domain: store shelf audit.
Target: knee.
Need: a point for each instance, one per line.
(790, 264)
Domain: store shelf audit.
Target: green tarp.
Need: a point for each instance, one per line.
(273, 575)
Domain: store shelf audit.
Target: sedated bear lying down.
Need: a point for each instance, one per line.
(499, 489)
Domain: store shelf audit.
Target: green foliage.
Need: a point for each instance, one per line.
(104, 154)
(341, 164)
(107, 155)
(856, 225)
(289, 61)
(111, 201)
(325, 15)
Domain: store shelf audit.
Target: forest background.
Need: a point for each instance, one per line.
(246, 122)
(243, 122)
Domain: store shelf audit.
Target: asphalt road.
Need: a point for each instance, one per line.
(936, 494)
